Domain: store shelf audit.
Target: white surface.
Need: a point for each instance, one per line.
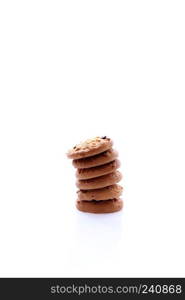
(76, 69)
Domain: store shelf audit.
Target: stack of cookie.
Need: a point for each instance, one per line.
(97, 176)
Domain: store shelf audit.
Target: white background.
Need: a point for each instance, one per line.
(71, 70)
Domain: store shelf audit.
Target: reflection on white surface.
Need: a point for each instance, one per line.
(98, 232)
(96, 244)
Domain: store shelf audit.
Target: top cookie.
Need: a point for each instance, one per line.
(90, 147)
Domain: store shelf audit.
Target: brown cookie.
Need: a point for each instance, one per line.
(100, 207)
(109, 192)
(98, 171)
(99, 182)
(96, 160)
(90, 147)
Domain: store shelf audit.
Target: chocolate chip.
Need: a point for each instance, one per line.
(103, 137)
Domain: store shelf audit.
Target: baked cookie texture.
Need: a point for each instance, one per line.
(109, 192)
(98, 207)
(98, 171)
(90, 147)
(96, 164)
(96, 160)
(99, 182)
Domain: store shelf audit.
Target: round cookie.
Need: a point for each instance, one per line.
(98, 171)
(100, 207)
(109, 192)
(99, 182)
(96, 160)
(90, 147)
